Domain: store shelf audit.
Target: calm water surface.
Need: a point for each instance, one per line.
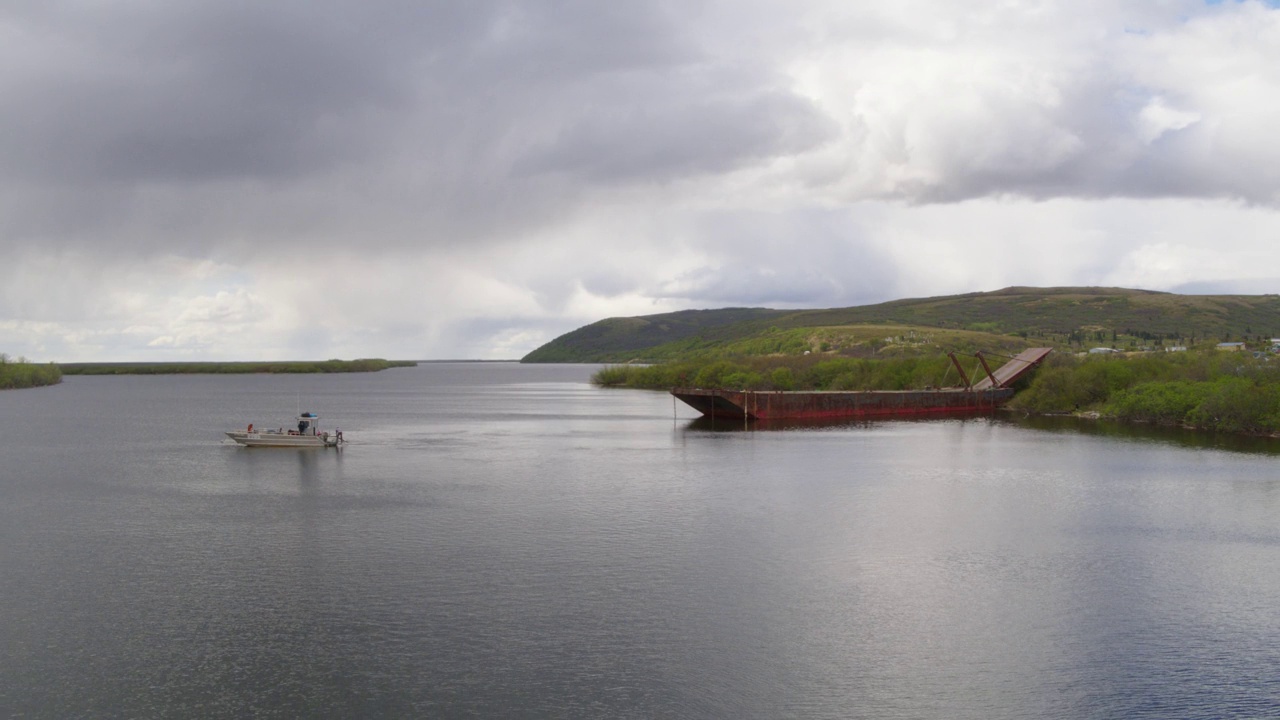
(501, 540)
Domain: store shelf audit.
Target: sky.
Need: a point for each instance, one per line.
(409, 179)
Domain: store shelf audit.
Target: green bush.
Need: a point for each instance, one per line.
(1054, 390)
(1238, 405)
(22, 374)
(823, 374)
(1166, 403)
(714, 375)
(848, 382)
(782, 379)
(742, 381)
(1212, 390)
(612, 376)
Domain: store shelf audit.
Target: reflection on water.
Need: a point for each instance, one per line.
(724, 424)
(1180, 437)
(505, 540)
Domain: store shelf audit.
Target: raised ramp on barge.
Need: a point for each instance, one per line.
(1017, 366)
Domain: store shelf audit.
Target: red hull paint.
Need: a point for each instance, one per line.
(764, 405)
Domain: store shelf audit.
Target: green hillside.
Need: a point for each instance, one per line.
(1064, 317)
(626, 337)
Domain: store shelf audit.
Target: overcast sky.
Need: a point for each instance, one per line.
(236, 179)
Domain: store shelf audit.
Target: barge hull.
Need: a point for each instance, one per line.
(778, 405)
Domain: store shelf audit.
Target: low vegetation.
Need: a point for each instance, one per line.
(216, 368)
(789, 373)
(848, 341)
(20, 373)
(1209, 390)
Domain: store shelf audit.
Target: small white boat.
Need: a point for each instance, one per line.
(307, 435)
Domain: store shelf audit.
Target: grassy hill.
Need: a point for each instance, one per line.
(627, 337)
(1067, 317)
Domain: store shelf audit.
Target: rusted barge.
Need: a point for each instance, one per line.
(984, 396)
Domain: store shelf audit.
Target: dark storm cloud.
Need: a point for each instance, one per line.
(650, 135)
(137, 91)
(197, 123)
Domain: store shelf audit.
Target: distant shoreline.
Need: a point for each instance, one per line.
(429, 362)
(233, 368)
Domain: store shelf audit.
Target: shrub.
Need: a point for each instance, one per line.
(1054, 390)
(782, 379)
(713, 375)
(23, 374)
(1237, 405)
(742, 380)
(1167, 403)
(612, 376)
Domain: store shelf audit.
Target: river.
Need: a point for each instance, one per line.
(504, 540)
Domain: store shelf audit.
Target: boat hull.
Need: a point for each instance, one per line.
(283, 440)
(831, 405)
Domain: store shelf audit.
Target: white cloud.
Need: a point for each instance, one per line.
(1157, 118)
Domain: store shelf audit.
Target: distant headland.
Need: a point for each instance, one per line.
(21, 373)
(234, 368)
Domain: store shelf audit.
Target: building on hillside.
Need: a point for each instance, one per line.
(1231, 346)
(1102, 351)
(1176, 348)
